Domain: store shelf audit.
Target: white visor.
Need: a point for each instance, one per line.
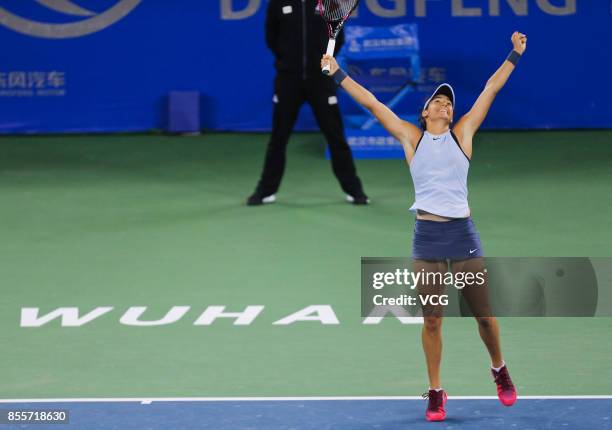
(444, 89)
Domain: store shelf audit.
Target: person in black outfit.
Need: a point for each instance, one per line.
(297, 36)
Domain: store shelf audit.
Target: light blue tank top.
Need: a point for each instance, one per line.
(439, 172)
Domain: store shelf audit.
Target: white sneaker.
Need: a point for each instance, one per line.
(257, 200)
(358, 201)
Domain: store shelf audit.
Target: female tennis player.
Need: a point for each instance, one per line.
(439, 156)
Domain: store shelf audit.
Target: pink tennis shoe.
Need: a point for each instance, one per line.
(435, 408)
(505, 388)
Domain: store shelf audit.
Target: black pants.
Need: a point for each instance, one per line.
(291, 91)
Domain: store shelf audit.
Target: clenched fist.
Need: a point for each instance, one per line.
(519, 41)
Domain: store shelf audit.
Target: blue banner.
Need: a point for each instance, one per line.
(109, 65)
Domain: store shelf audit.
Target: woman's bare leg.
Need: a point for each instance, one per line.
(431, 335)
(477, 297)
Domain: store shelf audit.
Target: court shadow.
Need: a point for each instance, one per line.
(421, 420)
(312, 203)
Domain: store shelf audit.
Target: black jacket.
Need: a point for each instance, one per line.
(297, 36)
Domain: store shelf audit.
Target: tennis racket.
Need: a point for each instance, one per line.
(334, 13)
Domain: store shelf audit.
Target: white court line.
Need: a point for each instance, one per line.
(149, 400)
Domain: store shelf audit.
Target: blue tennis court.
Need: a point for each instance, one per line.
(326, 413)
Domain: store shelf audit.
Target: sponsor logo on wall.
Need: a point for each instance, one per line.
(82, 21)
(32, 83)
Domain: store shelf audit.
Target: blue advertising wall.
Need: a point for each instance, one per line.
(108, 65)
